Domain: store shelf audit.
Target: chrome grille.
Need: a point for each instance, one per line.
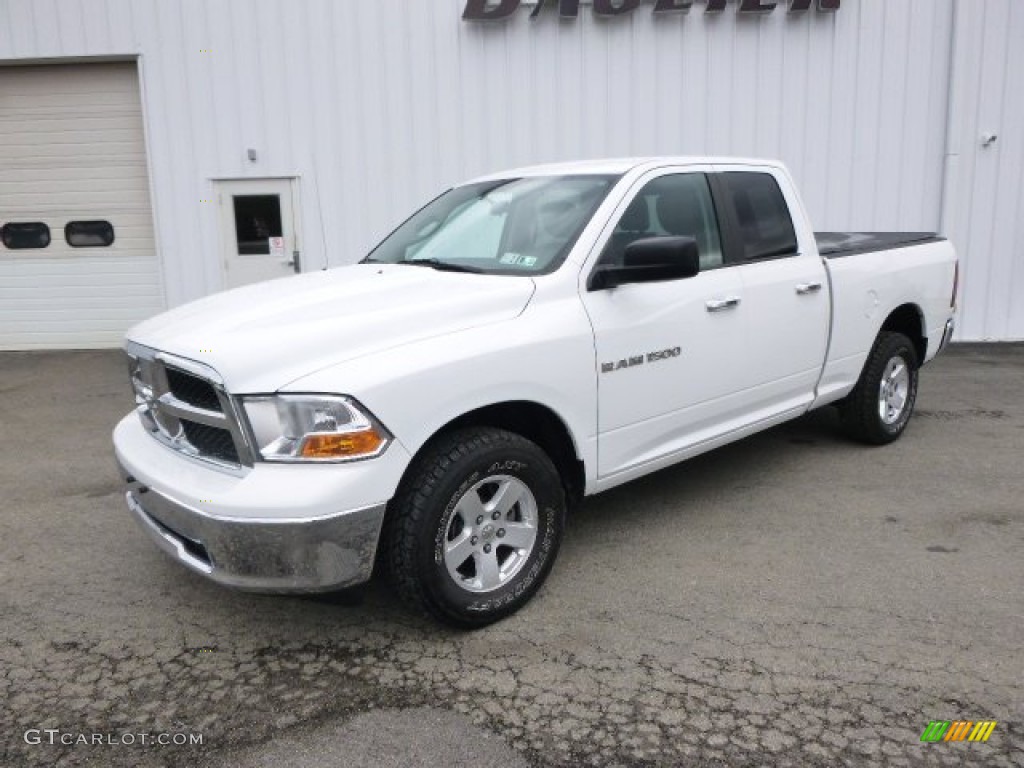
(184, 405)
(192, 390)
(211, 441)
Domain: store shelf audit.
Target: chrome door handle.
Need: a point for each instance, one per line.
(720, 305)
(805, 288)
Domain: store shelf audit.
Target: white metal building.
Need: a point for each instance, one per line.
(155, 151)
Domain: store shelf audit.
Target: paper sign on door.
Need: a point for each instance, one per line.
(277, 246)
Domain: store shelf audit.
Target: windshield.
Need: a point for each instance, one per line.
(512, 226)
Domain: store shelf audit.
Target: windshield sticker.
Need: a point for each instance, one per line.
(518, 260)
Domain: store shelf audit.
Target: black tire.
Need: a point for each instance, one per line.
(426, 511)
(861, 410)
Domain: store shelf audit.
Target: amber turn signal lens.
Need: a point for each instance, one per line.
(342, 446)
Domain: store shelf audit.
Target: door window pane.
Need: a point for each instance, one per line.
(762, 214)
(89, 234)
(257, 219)
(676, 205)
(29, 234)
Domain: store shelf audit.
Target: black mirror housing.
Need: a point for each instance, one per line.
(651, 259)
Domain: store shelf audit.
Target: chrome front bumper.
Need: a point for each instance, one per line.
(315, 555)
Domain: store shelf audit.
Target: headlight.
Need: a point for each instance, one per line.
(313, 428)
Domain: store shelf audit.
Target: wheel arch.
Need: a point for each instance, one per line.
(908, 319)
(537, 423)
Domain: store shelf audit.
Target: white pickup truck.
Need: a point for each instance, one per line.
(522, 341)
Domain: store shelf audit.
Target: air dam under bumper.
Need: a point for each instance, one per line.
(261, 553)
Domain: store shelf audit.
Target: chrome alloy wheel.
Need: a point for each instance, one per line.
(894, 390)
(491, 533)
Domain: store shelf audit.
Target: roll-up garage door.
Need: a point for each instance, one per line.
(78, 263)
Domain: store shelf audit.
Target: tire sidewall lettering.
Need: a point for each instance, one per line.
(449, 512)
(509, 466)
(521, 583)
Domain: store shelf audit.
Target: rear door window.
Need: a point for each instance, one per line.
(765, 226)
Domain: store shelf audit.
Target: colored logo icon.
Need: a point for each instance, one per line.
(958, 730)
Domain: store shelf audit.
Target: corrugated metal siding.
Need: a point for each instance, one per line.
(376, 106)
(985, 209)
(71, 149)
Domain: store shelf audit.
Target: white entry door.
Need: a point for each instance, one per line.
(259, 233)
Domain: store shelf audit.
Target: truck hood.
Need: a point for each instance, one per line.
(262, 337)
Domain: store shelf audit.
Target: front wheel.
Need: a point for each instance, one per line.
(475, 528)
(879, 407)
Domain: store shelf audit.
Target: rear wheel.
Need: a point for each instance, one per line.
(880, 406)
(475, 527)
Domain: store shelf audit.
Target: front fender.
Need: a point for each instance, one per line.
(545, 356)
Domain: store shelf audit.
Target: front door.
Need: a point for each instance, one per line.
(259, 238)
(670, 354)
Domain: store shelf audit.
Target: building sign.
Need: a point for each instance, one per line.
(497, 10)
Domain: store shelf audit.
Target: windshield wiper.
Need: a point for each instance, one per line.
(443, 266)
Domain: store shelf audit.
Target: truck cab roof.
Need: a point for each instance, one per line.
(620, 166)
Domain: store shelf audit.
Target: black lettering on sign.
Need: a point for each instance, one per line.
(757, 6)
(567, 9)
(615, 7)
(488, 10)
(664, 6)
(498, 10)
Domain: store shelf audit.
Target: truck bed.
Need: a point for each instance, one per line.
(835, 245)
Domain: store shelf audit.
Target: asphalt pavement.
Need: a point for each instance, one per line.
(792, 599)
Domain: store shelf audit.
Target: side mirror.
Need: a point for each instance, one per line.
(649, 260)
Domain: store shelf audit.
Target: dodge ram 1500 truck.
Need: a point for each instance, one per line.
(524, 340)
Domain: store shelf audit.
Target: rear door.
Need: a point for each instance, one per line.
(785, 291)
(670, 355)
